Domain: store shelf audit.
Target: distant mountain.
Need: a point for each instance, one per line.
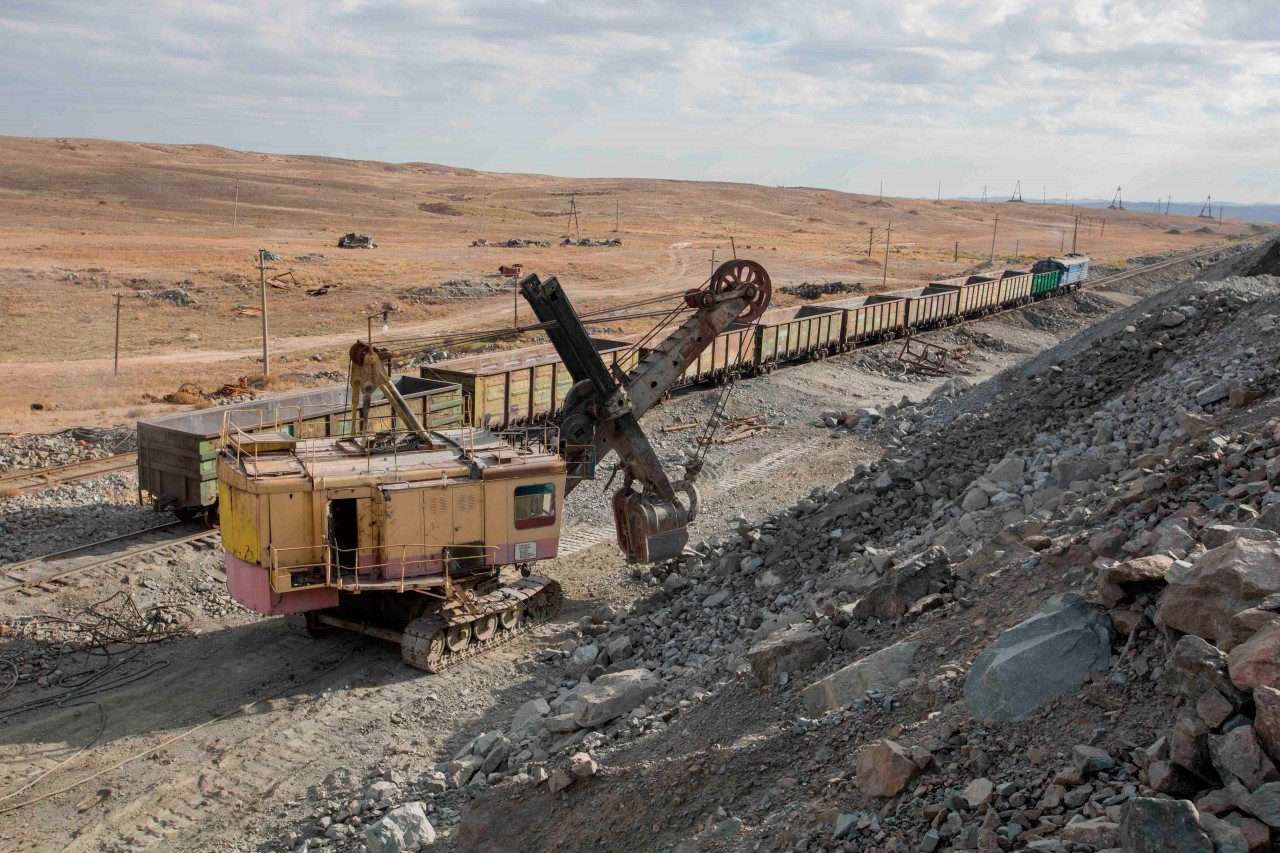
(1231, 209)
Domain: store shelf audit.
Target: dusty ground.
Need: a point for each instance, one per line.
(83, 220)
(224, 739)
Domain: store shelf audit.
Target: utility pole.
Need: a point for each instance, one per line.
(573, 217)
(1220, 216)
(235, 211)
(994, 226)
(984, 195)
(734, 246)
(1062, 244)
(1075, 232)
(1017, 250)
(1104, 227)
(882, 190)
(262, 284)
(887, 232)
(515, 302)
(957, 252)
(713, 260)
(116, 368)
(871, 236)
(617, 214)
(939, 192)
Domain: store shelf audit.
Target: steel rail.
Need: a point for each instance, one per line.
(70, 472)
(19, 583)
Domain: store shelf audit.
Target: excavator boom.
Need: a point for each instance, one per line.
(602, 410)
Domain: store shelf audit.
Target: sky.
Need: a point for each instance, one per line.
(1176, 97)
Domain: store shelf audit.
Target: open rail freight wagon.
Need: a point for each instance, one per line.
(177, 454)
(786, 334)
(878, 317)
(512, 387)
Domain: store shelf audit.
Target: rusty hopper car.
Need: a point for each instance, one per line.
(1015, 288)
(871, 318)
(177, 454)
(357, 521)
(508, 388)
(978, 294)
(928, 307)
(785, 334)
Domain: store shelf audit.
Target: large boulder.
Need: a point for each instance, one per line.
(1267, 722)
(403, 829)
(1132, 577)
(880, 671)
(612, 695)
(885, 768)
(1035, 660)
(787, 651)
(1256, 662)
(903, 585)
(1161, 826)
(1072, 469)
(1196, 667)
(1224, 581)
(1239, 753)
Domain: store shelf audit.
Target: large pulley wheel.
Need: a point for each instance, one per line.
(736, 274)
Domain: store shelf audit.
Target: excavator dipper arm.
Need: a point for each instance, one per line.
(601, 414)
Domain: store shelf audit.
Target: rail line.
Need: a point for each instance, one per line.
(38, 479)
(28, 574)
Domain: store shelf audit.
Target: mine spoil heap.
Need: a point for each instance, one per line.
(1048, 619)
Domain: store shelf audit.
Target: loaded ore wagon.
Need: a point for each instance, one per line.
(513, 387)
(880, 317)
(1045, 284)
(177, 454)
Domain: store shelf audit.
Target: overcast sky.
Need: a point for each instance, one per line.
(1175, 96)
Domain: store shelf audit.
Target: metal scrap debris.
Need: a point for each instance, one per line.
(738, 429)
(680, 427)
(931, 359)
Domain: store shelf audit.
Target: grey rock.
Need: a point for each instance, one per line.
(1160, 826)
(402, 830)
(1037, 659)
(880, 671)
(791, 650)
(613, 695)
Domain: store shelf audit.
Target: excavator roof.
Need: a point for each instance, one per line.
(467, 454)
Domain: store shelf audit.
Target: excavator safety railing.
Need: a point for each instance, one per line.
(398, 567)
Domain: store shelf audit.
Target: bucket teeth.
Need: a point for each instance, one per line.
(437, 641)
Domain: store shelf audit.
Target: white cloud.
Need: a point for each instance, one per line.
(1181, 94)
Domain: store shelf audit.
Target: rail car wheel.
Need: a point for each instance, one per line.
(485, 628)
(458, 636)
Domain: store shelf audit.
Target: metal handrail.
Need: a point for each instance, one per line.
(333, 573)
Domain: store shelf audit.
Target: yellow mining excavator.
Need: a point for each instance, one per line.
(404, 533)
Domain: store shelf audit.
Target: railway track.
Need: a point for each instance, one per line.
(59, 565)
(72, 472)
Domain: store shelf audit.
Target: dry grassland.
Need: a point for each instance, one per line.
(83, 220)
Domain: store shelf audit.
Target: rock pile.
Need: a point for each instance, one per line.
(972, 643)
(356, 241)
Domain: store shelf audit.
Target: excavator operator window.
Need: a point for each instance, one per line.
(535, 506)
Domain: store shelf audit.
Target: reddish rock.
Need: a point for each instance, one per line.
(1217, 802)
(1243, 395)
(788, 651)
(1121, 579)
(1196, 425)
(1108, 543)
(1224, 581)
(884, 769)
(1267, 722)
(1168, 778)
(1256, 662)
(1239, 753)
(1257, 835)
(1125, 621)
(1189, 744)
(1213, 708)
(1195, 667)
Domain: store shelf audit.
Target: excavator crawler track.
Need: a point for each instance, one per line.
(440, 640)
